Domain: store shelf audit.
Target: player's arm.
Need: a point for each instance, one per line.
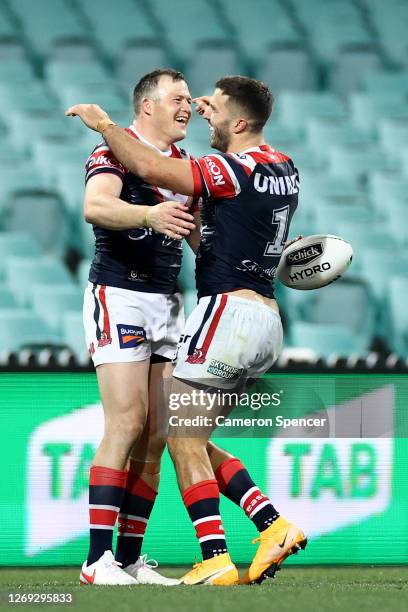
(103, 207)
(193, 239)
(169, 173)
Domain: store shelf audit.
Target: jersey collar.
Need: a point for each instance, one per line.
(149, 144)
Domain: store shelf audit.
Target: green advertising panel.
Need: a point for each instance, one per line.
(345, 483)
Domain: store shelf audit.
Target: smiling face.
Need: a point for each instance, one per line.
(170, 108)
(221, 118)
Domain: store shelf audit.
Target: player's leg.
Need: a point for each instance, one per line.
(142, 484)
(201, 496)
(124, 393)
(235, 483)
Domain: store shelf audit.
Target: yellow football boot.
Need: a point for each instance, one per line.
(219, 571)
(277, 542)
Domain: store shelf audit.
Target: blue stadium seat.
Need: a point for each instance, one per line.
(47, 153)
(386, 80)
(357, 162)
(324, 133)
(329, 215)
(397, 301)
(351, 63)
(69, 181)
(346, 302)
(326, 339)
(368, 109)
(60, 72)
(258, 27)
(11, 47)
(7, 27)
(51, 301)
(299, 71)
(17, 243)
(135, 24)
(393, 135)
(22, 272)
(14, 178)
(379, 264)
(296, 108)
(23, 329)
(16, 71)
(384, 186)
(13, 97)
(61, 20)
(73, 49)
(138, 57)
(110, 98)
(49, 222)
(40, 124)
(177, 26)
(209, 62)
(7, 299)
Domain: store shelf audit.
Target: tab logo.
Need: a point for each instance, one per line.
(305, 255)
(130, 336)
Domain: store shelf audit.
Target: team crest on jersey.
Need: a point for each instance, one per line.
(105, 339)
(198, 356)
(130, 336)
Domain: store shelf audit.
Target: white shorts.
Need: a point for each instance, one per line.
(122, 325)
(226, 340)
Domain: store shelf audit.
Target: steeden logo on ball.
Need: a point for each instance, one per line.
(305, 255)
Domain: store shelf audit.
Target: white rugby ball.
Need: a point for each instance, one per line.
(314, 261)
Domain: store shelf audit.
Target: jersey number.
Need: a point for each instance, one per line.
(280, 218)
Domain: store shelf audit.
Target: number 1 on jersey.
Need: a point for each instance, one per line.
(279, 218)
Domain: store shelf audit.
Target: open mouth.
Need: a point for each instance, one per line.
(182, 121)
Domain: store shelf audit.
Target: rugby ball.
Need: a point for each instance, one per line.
(314, 261)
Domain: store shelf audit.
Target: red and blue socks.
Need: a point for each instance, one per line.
(134, 514)
(106, 491)
(202, 501)
(235, 483)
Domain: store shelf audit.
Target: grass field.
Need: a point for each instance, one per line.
(352, 589)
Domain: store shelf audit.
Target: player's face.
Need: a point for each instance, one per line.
(172, 108)
(220, 121)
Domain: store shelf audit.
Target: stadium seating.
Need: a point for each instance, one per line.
(22, 328)
(49, 222)
(341, 113)
(32, 270)
(50, 302)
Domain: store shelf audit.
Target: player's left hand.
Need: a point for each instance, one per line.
(292, 241)
(90, 114)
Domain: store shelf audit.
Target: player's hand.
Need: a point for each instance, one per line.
(292, 241)
(90, 114)
(171, 218)
(202, 106)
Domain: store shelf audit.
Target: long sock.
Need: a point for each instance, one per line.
(106, 491)
(134, 514)
(202, 501)
(236, 484)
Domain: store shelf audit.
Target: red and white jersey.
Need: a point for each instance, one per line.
(136, 259)
(248, 202)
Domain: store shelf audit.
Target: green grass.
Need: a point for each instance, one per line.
(352, 589)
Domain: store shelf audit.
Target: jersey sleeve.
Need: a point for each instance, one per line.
(103, 160)
(215, 177)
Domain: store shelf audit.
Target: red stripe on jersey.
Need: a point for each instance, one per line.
(102, 517)
(127, 525)
(253, 501)
(106, 322)
(214, 323)
(103, 476)
(217, 177)
(226, 471)
(211, 527)
(197, 179)
(137, 486)
(206, 489)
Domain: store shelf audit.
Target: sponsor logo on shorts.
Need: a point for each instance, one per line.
(223, 370)
(130, 336)
(305, 255)
(105, 339)
(198, 356)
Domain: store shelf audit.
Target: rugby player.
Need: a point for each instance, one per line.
(250, 194)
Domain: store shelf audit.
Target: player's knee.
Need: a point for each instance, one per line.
(155, 448)
(128, 422)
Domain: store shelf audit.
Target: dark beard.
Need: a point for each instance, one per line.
(220, 140)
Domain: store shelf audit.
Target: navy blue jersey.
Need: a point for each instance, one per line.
(136, 259)
(248, 202)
